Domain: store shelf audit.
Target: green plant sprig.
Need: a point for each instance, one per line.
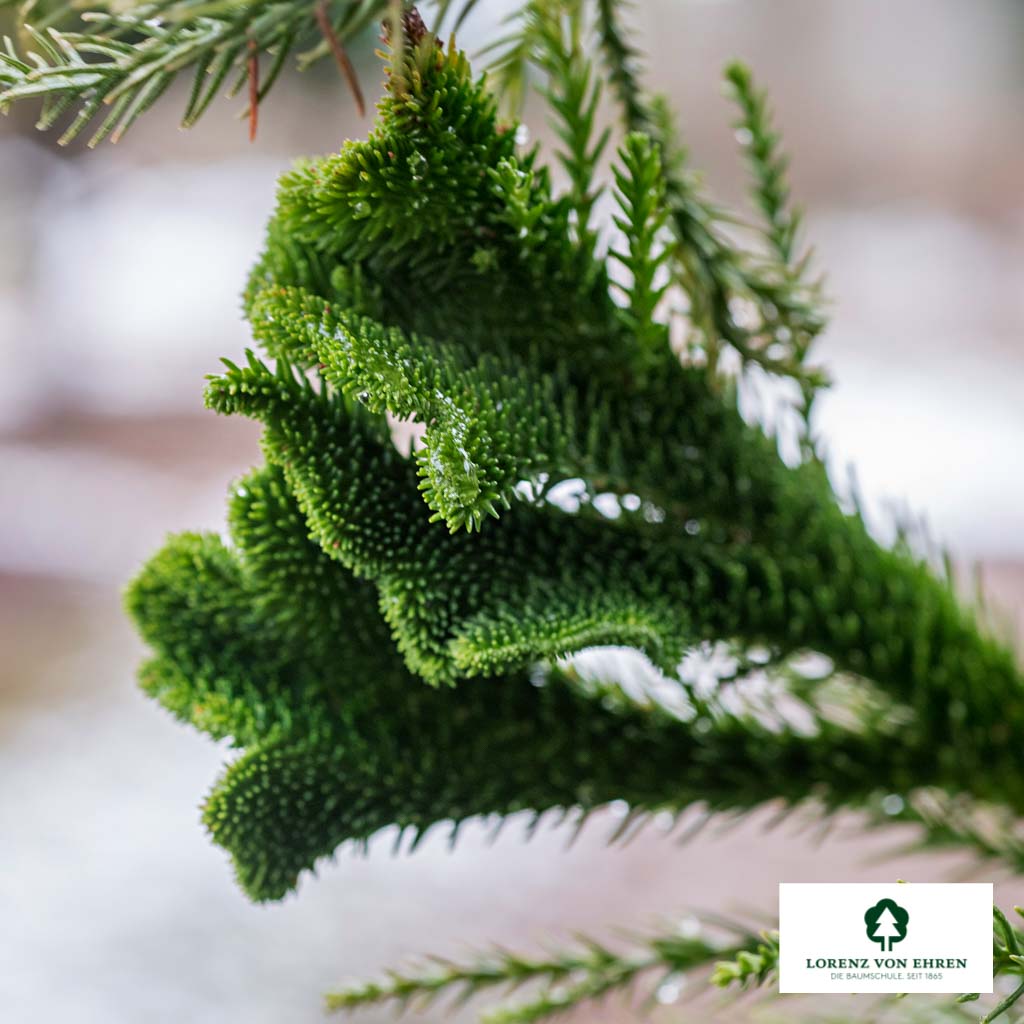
(718, 277)
(124, 60)
(568, 979)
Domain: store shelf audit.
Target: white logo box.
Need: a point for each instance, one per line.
(919, 937)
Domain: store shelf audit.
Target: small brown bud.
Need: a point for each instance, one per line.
(414, 28)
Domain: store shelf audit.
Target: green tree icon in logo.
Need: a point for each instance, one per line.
(886, 923)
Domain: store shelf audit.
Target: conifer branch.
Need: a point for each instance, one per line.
(720, 279)
(568, 979)
(575, 977)
(431, 272)
(573, 94)
(721, 539)
(771, 193)
(123, 60)
(248, 646)
(640, 195)
(768, 165)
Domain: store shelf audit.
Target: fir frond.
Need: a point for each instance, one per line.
(879, 615)
(124, 59)
(432, 273)
(768, 166)
(570, 979)
(640, 196)
(573, 94)
(721, 280)
(281, 649)
(771, 193)
(567, 979)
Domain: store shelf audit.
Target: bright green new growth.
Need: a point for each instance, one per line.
(382, 636)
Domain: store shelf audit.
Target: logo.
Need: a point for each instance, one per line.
(886, 923)
(885, 937)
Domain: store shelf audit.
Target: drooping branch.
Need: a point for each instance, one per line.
(113, 63)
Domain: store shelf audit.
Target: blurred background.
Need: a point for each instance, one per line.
(120, 272)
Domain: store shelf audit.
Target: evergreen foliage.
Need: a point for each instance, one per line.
(385, 636)
(111, 63)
